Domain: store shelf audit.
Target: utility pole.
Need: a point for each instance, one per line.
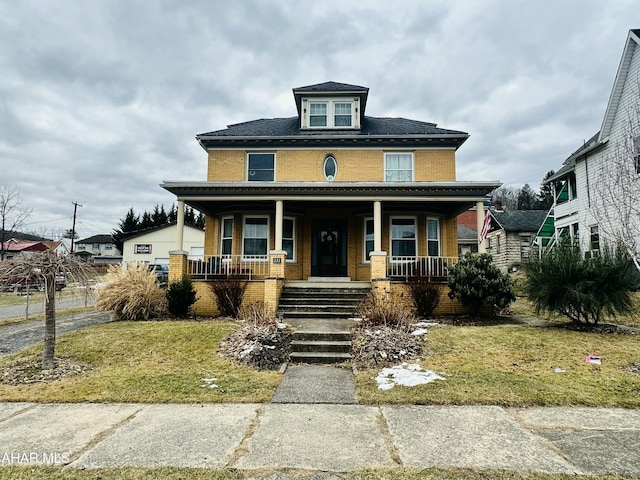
(73, 228)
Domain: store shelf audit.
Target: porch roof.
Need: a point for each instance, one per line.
(445, 198)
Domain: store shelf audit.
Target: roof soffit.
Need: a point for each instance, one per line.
(630, 49)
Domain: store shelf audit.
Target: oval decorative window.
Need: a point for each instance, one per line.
(330, 168)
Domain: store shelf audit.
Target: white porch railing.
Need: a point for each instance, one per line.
(436, 268)
(213, 267)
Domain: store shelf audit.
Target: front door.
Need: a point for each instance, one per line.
(329, 248)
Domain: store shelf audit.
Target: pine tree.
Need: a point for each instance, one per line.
(526, 198)
(130, 223)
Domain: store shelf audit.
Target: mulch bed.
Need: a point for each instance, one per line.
(30, 372)
(265, 347)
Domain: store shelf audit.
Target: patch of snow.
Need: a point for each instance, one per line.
(426, 324)
(408, 375)
(209, 383)
(420, 331)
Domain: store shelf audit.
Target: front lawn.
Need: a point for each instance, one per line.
(149, 362)
(514, 366)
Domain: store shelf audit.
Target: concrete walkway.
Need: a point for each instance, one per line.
(321, 438)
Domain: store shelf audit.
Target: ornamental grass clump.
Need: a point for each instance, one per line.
(584, 289)
(131, 293)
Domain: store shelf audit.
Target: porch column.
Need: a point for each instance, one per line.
(480, 223)
(377, 225)
(279, 222)
(180, 225)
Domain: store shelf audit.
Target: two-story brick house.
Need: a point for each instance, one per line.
(329, 194)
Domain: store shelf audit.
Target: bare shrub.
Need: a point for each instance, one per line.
(385, 308)
(228, 293)
(425, 294)
(258, 313)
(131, 293)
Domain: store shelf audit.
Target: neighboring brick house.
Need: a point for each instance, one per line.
(328, 195)
(97, 249)
(509, 239)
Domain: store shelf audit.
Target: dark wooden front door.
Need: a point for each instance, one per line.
(329, 248)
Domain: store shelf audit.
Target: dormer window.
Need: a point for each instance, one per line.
(330, 113)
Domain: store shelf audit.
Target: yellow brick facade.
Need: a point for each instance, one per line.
(354, 165)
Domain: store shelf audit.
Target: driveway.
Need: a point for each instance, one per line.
(15, 337)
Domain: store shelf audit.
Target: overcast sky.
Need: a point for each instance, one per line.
(100, 100)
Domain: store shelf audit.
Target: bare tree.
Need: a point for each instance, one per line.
(615, 203)
(507, 197)
(43, 268)
(12, 213)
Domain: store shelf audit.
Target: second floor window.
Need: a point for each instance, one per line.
(261, 167)
(331, 113)
(398, 167)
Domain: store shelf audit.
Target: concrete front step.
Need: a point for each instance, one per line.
(299, 346)
(319, 357)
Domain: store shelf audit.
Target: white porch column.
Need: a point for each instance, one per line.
(480, 222)
(377, 226)
(279, 222)
(180, 225)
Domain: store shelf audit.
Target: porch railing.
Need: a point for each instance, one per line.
(436, 268)
(213, 267)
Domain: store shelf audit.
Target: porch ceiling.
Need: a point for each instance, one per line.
(438, 198)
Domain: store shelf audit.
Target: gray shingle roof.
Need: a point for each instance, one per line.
(290, 127)
(521, 220)
(330, 87)
(97, 239)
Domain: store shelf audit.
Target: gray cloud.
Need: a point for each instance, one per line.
(100, 101)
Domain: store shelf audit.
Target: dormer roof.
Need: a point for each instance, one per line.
(332, 89)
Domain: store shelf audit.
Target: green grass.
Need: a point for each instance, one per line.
(148, 362)
(513, 366)
(174, 473)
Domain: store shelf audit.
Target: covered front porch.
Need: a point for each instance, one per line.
(272, 233)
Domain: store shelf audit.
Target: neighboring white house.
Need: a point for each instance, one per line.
(594, 200)
(97, 249)
(154, 245)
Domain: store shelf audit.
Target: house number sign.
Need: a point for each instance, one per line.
(277, 260)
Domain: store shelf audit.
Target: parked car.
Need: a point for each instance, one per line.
(162, 272)
(21, 284)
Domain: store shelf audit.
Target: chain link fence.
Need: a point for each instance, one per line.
(20, 304)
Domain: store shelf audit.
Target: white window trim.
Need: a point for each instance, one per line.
(247, 166)
(222, 237)
(415, 224)
(364, 239)
(439, 239)
(294, 255)
(330, 102)
(329, 178)
(244, 224)
(399, 153)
